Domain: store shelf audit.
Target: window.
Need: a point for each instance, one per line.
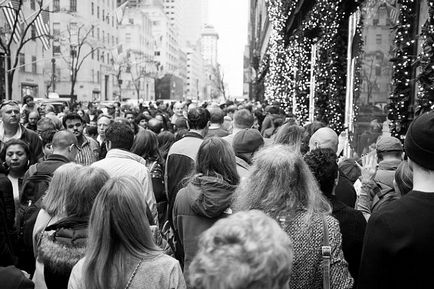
(130, 20)
(56, 5)
(97, 33)
(93, 30)
(103, 36)
(33, 32)
(97, 12)
(378, 70)
(93, 75)
(97, 76)
(92, 9)
(128, 37)
(56, 29)
(92, 54)
(113, 21)
(378, 39)
(103, 15)
(22, 62)
(34, 65)
(32, 4)
(73, 5)
(56, 49)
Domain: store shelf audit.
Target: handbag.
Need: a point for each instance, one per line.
(326, 252)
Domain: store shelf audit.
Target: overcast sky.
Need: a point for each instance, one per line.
(229, 18)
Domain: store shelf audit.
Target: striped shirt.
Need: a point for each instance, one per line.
(89, 152)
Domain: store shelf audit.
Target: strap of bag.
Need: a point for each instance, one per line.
(326, 252)
(133, 274)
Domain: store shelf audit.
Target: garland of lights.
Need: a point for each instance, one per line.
(426, 59)
(289, 69)
(402, 70)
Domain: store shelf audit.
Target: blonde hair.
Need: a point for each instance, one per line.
(247, 250)
(281, 184)
(53, 202)
(118, 230)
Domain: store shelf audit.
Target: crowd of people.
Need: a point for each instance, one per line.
(210, 196)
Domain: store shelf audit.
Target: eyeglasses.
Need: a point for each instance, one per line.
(9, 102)
(78, 124)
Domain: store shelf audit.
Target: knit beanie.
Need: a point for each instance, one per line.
(419, 141)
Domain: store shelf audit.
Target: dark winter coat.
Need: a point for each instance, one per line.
(352, 225)
(197, 207)
(62, 245)
(7, 219)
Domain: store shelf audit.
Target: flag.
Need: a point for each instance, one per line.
(10, 10)
(117, 53)
(43, 28)
(119, 12)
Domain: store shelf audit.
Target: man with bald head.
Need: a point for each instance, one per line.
(65, 149)
(326, 138)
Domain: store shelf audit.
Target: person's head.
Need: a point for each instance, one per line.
(53, 202)
(419, 147)
(119, 136)
(111, 109)
(130, 116)
(181, 123)
(165, 141)
(49, 108)
(45, 124)
(93, 123)
(217, 116)
(324, 138)
(178, 109)
(247, 250)
(155, 125)
(47, 141)
(33, 117)
(322, 163)
(84, 188)
(217, 158)
(118, 230)
(92, 131)
(103, 123)
(403, 182)
(28, 99)
(142, 120)
(350, 169)
(280, 183)
(65, 143)
(161, 105)
(74, 123)
(243, 118)
(291, 135)
(389, 148)
(246, 143)
(16, 156)
(80, 112)
(10, 111)
(146, 145)
(198, 119)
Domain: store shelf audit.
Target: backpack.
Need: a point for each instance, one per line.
(30, 204)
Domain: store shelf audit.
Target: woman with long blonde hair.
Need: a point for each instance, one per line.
(121, 252)
(280, 184)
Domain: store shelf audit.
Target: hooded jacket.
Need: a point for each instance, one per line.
(197, 207)
(62, 245)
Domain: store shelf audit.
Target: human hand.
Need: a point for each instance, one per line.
(369, 167)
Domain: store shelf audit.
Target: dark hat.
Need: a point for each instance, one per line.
(111, 106)
(419, 141)
(247, 141)
(388, 143)
(350, 169)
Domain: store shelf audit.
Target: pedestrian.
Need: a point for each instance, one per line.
(165, 141)
(291, 135)
(103, 123)
(247, 250)
(242, 119)
(216, 121)
(7, 220)
(398, 251)
(120, 161)
(63, 243)
(281, 185)
(89, 148)
(121, 252)
(16, 155)
(207, 195)
(245, 144)
(181, 159)
(10, 128)
(322, 163)
(33, 120)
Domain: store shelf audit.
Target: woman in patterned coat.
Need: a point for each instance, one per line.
(281, 184)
